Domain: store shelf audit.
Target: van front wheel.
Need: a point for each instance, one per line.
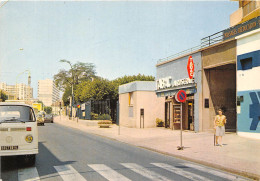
(28, 160)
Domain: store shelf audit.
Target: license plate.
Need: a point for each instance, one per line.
(9, 147)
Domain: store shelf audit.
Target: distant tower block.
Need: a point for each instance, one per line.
(29, 80)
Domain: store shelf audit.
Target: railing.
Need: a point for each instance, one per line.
(179, 54)
(205, 42)
(212, 39)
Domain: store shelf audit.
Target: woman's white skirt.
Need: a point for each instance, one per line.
(220, 130)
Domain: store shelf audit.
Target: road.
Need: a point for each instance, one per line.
(69, 154)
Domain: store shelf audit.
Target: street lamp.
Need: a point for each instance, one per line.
(72, 83)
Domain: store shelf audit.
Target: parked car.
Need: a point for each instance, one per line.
(19, 132)
(40, 119)
(48, 118)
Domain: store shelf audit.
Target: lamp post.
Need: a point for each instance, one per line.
(72, 83)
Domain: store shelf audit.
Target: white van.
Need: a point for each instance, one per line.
(18, 131)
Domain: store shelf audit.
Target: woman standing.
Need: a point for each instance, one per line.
(219, 126)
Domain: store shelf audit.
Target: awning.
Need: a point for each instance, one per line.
(172, 92)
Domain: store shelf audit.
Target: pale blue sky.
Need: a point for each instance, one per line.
(120, 38)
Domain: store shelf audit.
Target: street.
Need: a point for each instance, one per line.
(70, 154)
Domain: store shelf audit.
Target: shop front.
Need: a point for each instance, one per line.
(173, 76)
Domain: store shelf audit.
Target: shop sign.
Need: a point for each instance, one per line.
(167, 82)
(83, 107)
(190, 67)
(242, 28)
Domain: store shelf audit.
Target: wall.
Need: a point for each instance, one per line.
(248, 86)
(153, 108)
(124, 118)
(177, 69)
(219, 83)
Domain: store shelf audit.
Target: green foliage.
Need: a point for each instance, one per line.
(78, 72)
(3, 96)
(66, 95)
(48, 109)
(98, 89)
(159, 122)
(104, 117)
(127, 79)
(94, 116)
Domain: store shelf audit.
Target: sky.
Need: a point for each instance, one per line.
(120, 38)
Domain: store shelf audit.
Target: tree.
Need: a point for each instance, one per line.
(48, 109)
(101, 89)
(77, 73)
(3, 96)
(127, 79)
(66, 95)
(98, 89)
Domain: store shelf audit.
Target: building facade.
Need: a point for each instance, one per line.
(19, 91)
(139, 106)
(172, 76)
(248, 86)
(48, 93)
(219, 83)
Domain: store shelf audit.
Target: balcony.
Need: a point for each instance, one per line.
(245, 13)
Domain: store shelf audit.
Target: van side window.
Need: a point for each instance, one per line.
(31, 117)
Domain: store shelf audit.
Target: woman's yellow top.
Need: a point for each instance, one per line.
(220, 120)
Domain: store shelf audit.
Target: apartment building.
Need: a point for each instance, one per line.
(19, 91)
(48, 93)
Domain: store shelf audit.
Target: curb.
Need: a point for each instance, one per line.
(220, 167)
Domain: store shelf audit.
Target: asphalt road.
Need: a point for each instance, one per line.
(72, 155)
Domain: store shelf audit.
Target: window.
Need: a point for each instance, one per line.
(131, 99)
(246, 63)
(206, 103)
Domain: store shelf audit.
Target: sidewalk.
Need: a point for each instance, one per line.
(238, 155)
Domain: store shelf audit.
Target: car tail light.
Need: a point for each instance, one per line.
(28, 129)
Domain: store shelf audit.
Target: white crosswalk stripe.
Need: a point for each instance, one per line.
(181, 172)
(68, 173)
(213, 172)
(108, 173)
(144, 172)
(28, 174)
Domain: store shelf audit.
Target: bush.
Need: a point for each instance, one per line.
(94, 116)
(159, 122)
(104, 117)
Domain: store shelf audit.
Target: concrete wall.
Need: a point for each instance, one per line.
(248, 86)
(153, 108)
(219, 83)
(177, 69)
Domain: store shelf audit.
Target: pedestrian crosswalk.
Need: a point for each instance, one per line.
(69, 173)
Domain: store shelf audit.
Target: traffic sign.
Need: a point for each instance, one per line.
(181, 96)
(190, 67)
(78, 106)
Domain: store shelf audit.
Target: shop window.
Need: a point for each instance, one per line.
(206, 103)
(246, 63)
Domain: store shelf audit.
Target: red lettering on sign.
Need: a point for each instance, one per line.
(190, 67)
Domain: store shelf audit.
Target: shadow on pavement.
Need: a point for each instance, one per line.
(45, 162)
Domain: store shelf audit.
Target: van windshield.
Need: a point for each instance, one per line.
(16, 114)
